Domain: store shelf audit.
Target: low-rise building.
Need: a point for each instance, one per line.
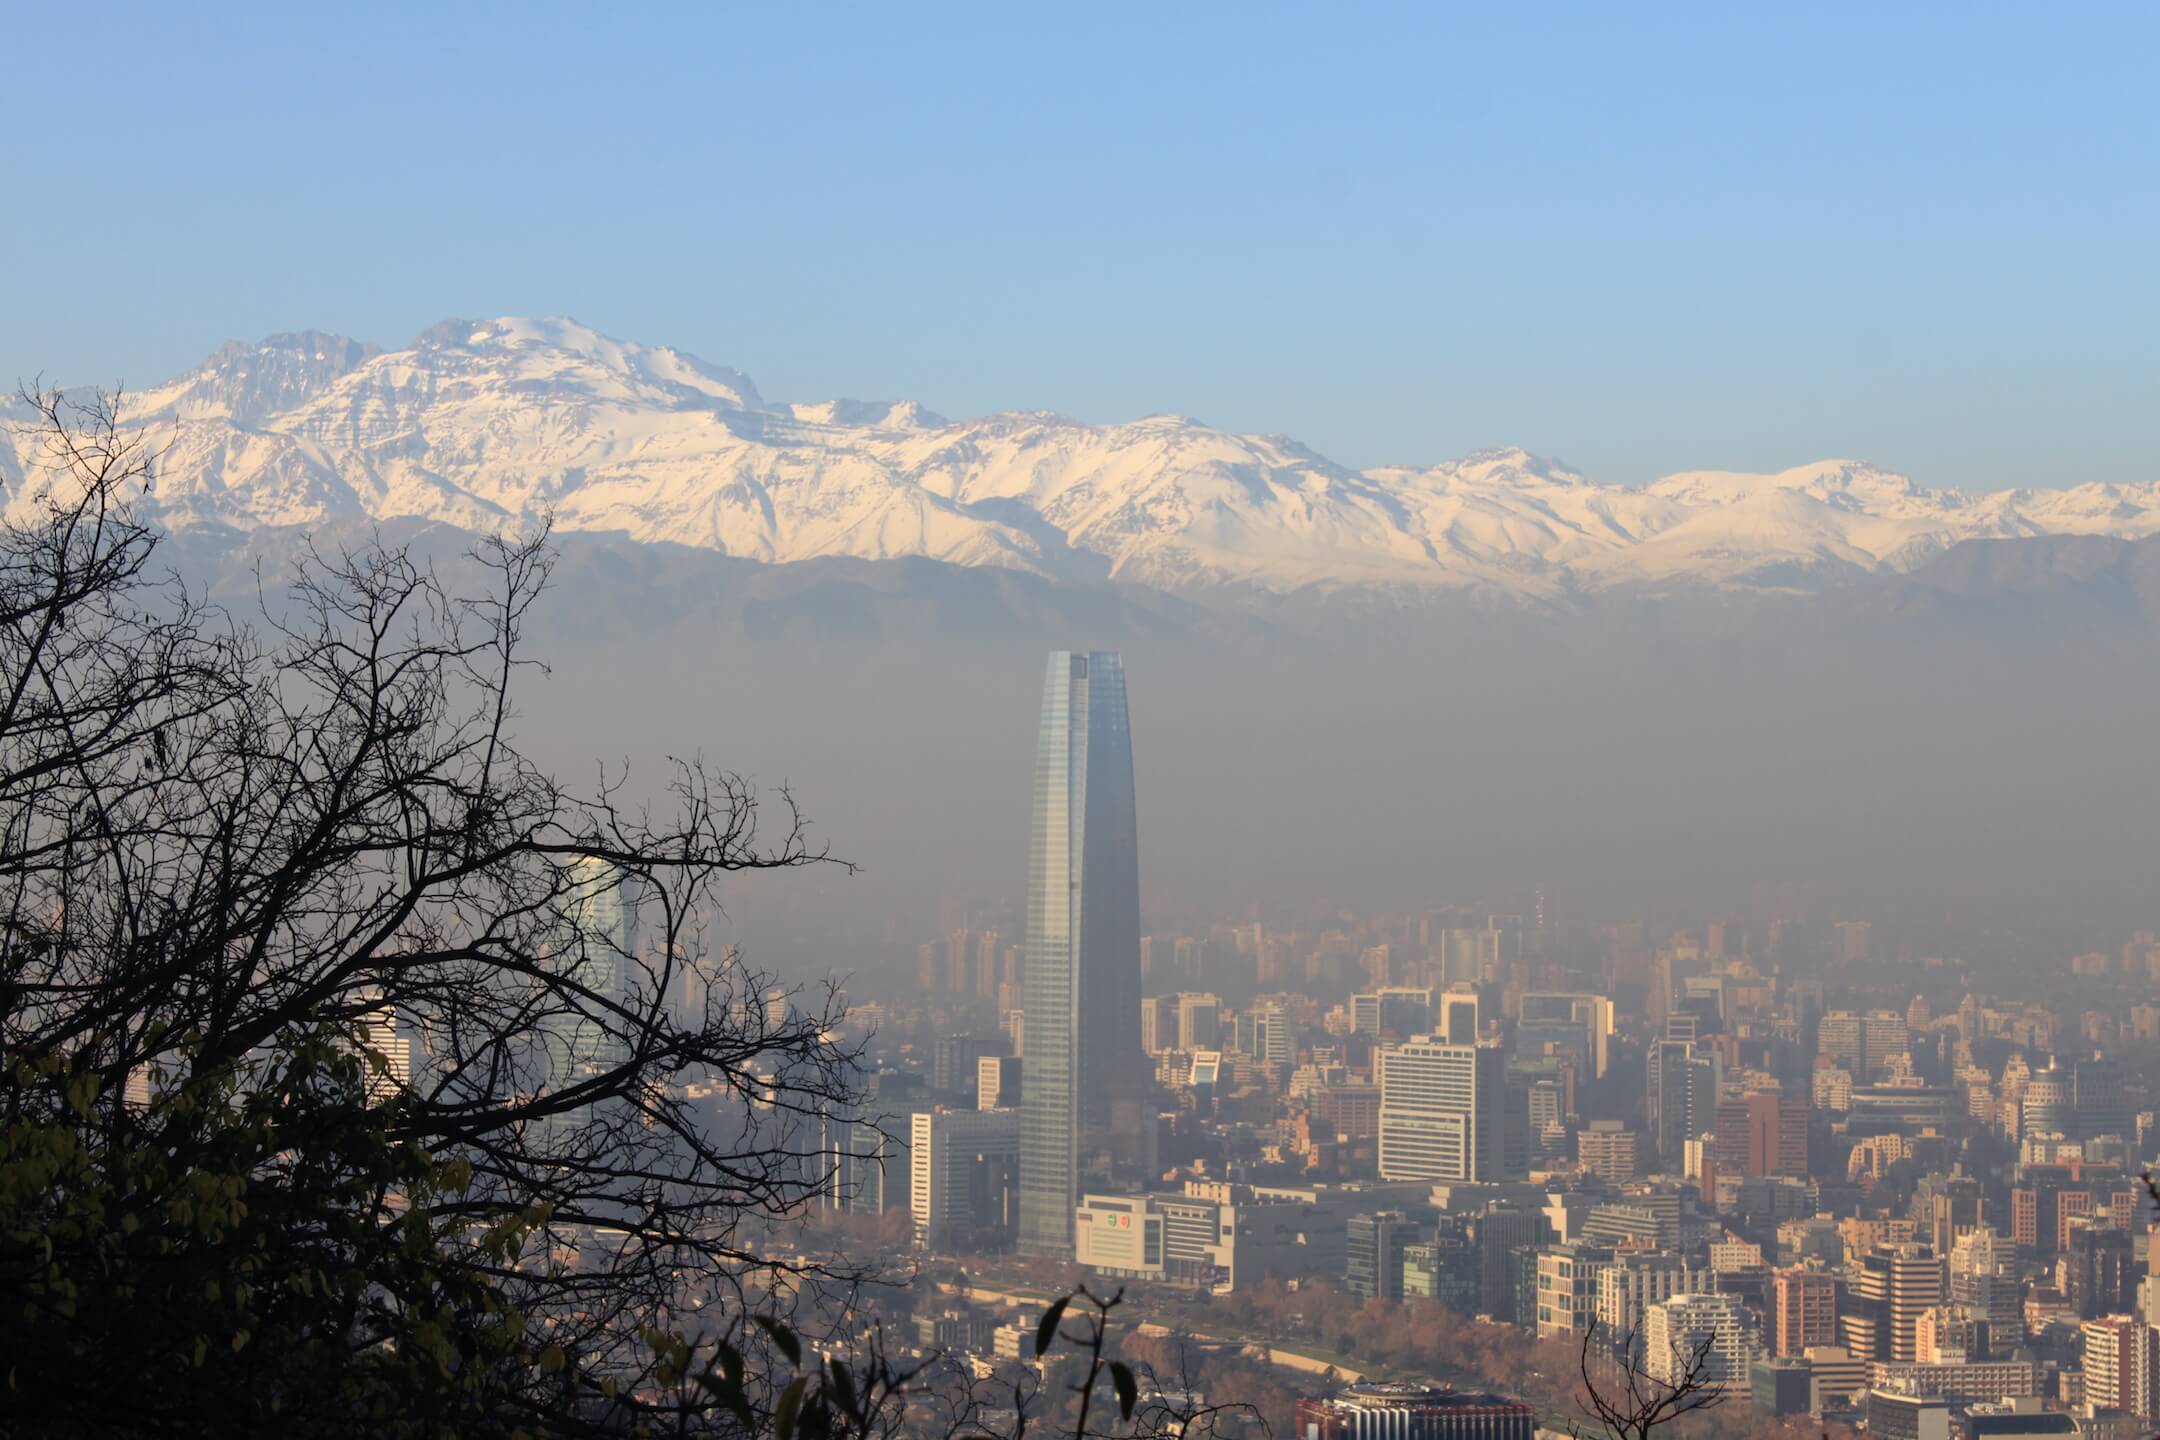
(1228, 1236)
(1962, 1383)
(1897, 1415)
(1374, 1411)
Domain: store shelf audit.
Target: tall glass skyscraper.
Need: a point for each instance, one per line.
(599, 944)
(1084, 1074)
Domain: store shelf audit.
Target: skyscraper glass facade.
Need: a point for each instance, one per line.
(1082, 981)
(598, 944)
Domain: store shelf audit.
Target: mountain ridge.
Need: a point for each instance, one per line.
(487, 423)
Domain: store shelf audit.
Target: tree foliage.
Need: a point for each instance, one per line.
(242, 867)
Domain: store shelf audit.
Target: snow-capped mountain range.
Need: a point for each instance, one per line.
(484, 424)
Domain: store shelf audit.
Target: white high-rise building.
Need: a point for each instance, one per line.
(1632, 1283)
(386, 1054)
(1719, 1326)
(2120, 1357)
(1441, 1111)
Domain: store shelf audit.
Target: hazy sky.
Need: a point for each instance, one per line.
(1709, 238)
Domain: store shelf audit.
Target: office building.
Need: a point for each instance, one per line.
(1838, 1377)
(2100, 1101)
(1782, 1386)
(2100, 1274)
(598, 943)
(1984, 1282)
(1500, 1233)
(953, 1062)
(1567, 1288)
(2046, 1107)
(864, 1167)
(1684, 1078)
(1459, 1019)
(1762, 1134)
(1803, 1310)
(1373, 1249)
(1946, 1335)
(1349, 1111)
(1266, 1035)
(1575, 1024)
(1214, 1236)
(1955, 1209)
(1085, 1073)
(1442, 1109)
(1398, 1013)
(1158, 1024)
(1864, 1045)
(1959, 1382)
(2020, 1420)
(1610, 1151)
(997, 1082)
(1447, 1268)
(1899, 1415)
(1891, 1286)
(964, 1175)
(1199, 1022)
(1626, 1226)
(1379, 1411)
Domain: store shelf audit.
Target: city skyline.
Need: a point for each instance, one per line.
(970, 723)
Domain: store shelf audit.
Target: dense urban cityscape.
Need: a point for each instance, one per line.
(1199, 722)
(1876, 1189)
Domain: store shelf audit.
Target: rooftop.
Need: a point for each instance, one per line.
(1393, 1392)
(2044, 1422)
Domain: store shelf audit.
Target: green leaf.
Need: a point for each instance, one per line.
(730, 1394)
(1128, 1392)
(789, 1408)
(1046, 1332)
(551, 1359)
(843, 1385)
(783, 1337)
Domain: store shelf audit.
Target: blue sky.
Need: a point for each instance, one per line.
(1697, 238)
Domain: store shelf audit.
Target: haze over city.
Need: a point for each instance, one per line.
(1234, 724)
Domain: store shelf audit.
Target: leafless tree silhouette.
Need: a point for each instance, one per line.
(1642, 1400)
(242, 870)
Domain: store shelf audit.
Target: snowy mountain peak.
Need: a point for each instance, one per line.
(241, 382)
(869, 414)
(562, 351)
(488, 423)
(1822, 479)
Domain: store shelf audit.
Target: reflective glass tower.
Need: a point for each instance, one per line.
(1082, 1077)
(598, 945)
